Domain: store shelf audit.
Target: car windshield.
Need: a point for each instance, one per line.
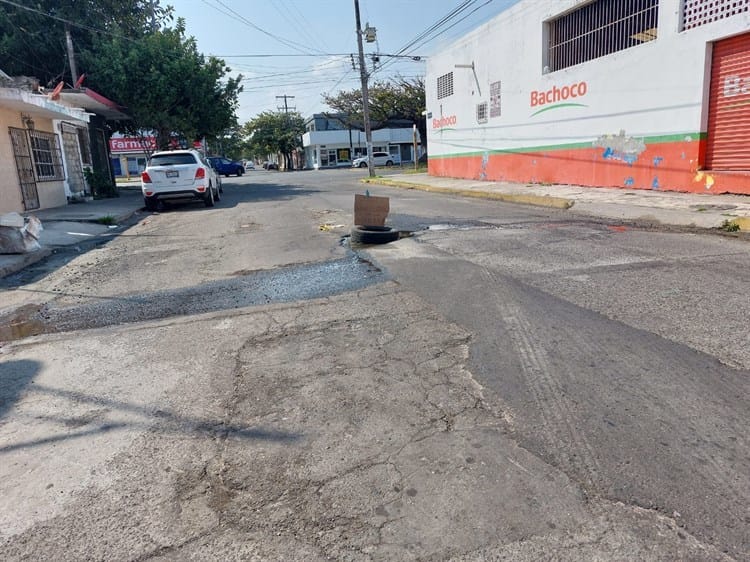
(172, 159)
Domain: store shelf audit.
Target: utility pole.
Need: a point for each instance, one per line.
(365, 93)
(416, 158)
(286, 106)
(71, 54)
(287, 157)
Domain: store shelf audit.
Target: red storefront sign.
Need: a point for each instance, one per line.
(132, 144)
(142, 144)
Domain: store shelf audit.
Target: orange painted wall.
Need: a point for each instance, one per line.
(668, 166)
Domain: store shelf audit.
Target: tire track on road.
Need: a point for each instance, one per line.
(559, 423)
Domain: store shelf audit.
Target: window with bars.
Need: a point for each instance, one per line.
(482, 112)
(46, 153)
(445, 85)
(700, 12)
(600, 28)
(85, 146)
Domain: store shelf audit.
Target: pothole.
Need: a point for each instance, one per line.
(286, 284)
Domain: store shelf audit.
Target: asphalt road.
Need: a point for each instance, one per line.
(507, 383)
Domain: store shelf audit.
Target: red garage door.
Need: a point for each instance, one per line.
(728, 142)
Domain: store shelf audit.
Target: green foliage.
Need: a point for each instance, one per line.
(107, 219)
(100, 183)
(390, 102)
(128, 55)
(231, 144)
(34, 44)
(274, 132)
(167, 85)
(730, 226)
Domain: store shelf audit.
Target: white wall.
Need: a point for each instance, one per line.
(339, 139)
(657, 88)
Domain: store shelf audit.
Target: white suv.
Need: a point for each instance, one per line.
(378, 159)
(179, 174)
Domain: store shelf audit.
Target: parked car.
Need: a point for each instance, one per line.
(226, 167)
(249, 166)
(179, 175)
(378, 159)
(270, 166)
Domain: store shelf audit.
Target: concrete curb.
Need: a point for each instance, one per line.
(520, 198)
(22, 261)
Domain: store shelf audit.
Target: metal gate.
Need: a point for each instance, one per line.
(728, 141)
(25, 166)
(72, 151)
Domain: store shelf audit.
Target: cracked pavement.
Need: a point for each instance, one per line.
(347, 428)
(510, 385)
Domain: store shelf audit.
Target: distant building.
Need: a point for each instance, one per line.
(647, 94)
(329, 143)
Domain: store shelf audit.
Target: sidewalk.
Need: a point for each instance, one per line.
(72, 224)
(631, 205)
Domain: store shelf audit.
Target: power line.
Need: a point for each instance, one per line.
(270, 55)
(231, 12)
(67, 21)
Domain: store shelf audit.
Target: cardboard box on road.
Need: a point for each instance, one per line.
(370, 211)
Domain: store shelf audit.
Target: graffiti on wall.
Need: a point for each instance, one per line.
(495, 105)
(620, 147)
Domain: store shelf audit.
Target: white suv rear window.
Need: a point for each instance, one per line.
(172, 159)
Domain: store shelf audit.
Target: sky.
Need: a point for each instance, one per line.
(303, 48)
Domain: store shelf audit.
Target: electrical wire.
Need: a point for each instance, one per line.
(69, 22)
(231, 12)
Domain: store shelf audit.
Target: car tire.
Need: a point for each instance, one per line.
(239, 172)
(389, 163)
(363, 235)
(209, 197)
(363, 165)
(151, 204)
(217, 195)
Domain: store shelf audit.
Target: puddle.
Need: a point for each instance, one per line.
(22, 323)
(251, 288)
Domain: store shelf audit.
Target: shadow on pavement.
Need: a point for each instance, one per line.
(15, 376)
(163, 420)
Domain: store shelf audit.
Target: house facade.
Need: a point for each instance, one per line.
(648, 94)
(328, 143)
(31, 153)
(94, 146)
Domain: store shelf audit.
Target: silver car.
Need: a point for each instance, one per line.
(179, 175)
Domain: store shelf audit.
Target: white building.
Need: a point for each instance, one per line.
(651, 94)
(337, 146)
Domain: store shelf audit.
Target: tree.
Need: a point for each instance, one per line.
(275, 132)
(391, 103)
(166, 84)
(33, 43)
